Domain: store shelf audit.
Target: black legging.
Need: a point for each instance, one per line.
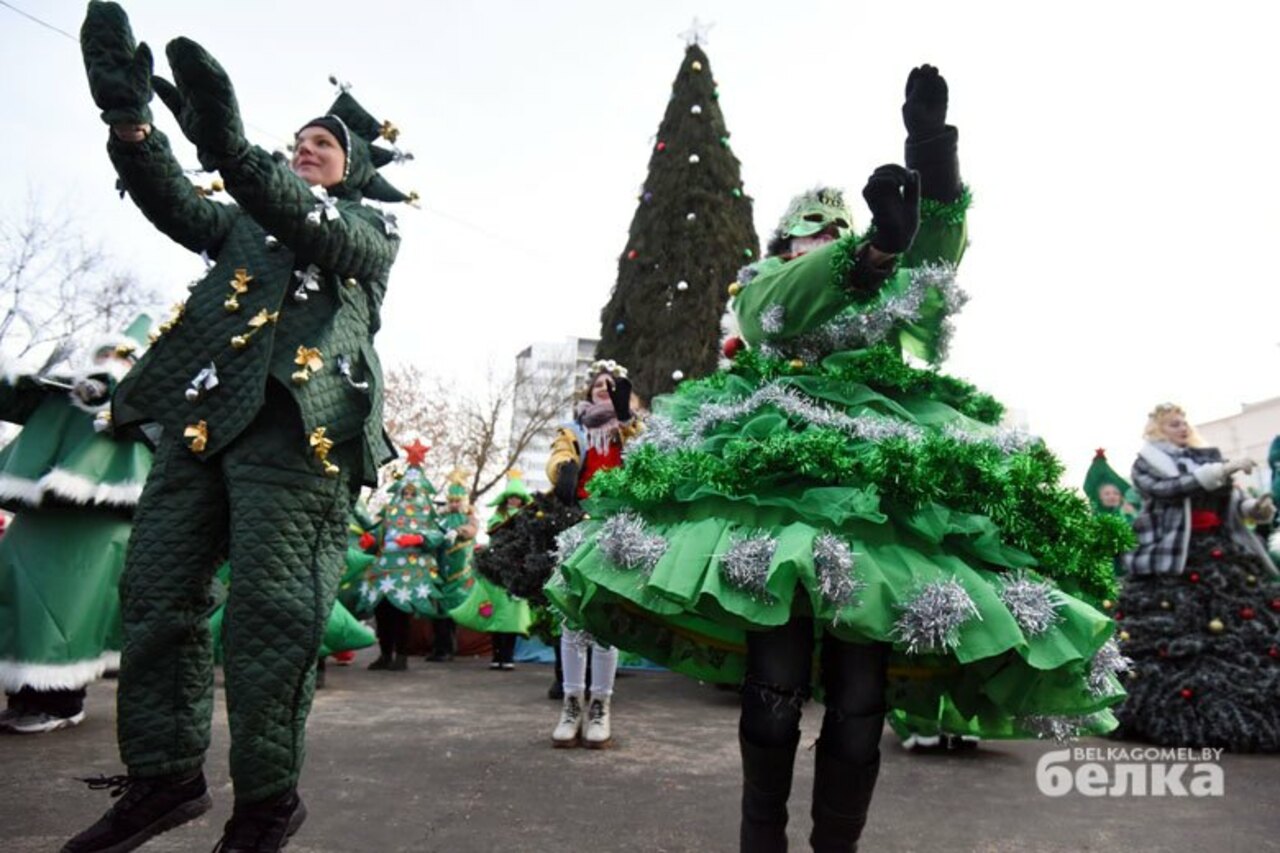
(777, 684)
(392, 628)
(504, 647)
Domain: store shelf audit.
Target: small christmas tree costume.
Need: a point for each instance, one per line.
(489, 607)
(1101, 476)
(402, 574)
(454, 579)
(72, 489)
(1200, 610)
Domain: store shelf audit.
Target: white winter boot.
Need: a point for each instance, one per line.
(597, 735)
(569, 729)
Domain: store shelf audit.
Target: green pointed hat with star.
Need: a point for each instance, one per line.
(1101, 474)
(358, 131)
(515, 488)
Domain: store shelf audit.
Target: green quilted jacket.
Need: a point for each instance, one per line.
(293, 294)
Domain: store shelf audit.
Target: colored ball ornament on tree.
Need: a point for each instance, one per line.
(715, 93)
(632, 255)
(1124, 635)
(735, 192)
(696, 65)
(1274, 651)
(747, 253)
(732, 346)
(691, 216)
(796, 364)
(677, 375)
(696, 110)
(1251, 580)
(1194, 577)
(1187, 693)
(620, 327)
(1216, 626)
(1164, 605)
(734, 288)
(694, 158)
(724, 142)
(1275, 604)
(682, 286)
(1247, 613)
(1162, 652)
(647, 197)
(1107, 604)
(662, 146)
(1216, 553)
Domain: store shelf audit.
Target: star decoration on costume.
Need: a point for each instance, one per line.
(422, 591)
(386, 585)
(402, 596)
(697, 32)
(417, 452)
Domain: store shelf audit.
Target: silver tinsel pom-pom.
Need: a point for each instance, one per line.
(1057, 728)
(1108, 661)
(1034, 604)
(659, 431)
(568, 541)
(772, 319)
(746, 563)
(628, 544)
(931, 621)
(833, 563)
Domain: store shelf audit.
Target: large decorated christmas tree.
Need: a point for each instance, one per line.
(691, 233)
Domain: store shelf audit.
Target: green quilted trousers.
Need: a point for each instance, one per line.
(266, 503)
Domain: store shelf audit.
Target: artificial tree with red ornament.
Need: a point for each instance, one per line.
(691, 232)
(1205, 647)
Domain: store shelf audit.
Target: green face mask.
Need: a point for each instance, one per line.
(813, 212)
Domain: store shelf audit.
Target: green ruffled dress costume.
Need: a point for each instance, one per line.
(72, 490)
(822, 475)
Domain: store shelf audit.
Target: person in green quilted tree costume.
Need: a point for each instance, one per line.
(825, 515)
(72, 490)
(264, 396)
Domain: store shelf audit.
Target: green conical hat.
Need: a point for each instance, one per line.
(1100, 474)
(128, 344)
(363, 157)
(515, 488)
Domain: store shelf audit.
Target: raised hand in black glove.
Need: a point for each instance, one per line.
(566, 485)
(620, 396)
(204, 103)
(893, 194)
(119, 70)
(924, 110)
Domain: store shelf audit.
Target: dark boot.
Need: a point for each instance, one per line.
(264, 826)
(556, 690)
(841, 796)
(766, 785)
(383, 662)
(400, 664)
(146, 808)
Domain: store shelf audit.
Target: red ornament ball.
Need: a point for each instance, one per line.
(1119, 615)
(1275, 604)
(1274, 651)
(1194, 577)
(732, 346)
(632, 255)
(1216, 553)
(1187, 693)
(1247, 613)
(662, 146)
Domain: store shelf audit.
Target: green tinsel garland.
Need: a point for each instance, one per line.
(950, 212)
(880, 368)
(1016, 491)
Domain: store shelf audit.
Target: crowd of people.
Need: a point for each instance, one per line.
(822, 517)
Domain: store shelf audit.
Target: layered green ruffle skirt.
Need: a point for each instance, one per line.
(888, 510)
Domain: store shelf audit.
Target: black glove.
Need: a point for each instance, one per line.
(566, 485)
(119, 71)
(931, 142)
(204, 103)
(620, 396)
(893, 194)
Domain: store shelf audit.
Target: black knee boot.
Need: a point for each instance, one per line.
(766, 785)
(841, 796)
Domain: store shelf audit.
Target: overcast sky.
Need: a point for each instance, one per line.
(1121, 154)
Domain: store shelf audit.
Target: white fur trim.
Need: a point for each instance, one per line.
(1273, 544)
(1211, 476)
(1158, 459)
(15, 675)
(74, 487)
(28, 491)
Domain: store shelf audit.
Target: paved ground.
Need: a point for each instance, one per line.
(453, 757)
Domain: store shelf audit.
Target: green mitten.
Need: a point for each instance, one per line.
(204, 102)
(119, 70)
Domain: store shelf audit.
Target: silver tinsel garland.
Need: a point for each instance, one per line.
(931, 621)
(859, 327)
(1062, 729)
(1034, 604)
(1108, 661)
(746, 563)
(833, 564)
(628, 544)
(568, 541)
(1008, 439)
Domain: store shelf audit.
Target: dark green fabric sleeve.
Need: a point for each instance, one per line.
(155, 181)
